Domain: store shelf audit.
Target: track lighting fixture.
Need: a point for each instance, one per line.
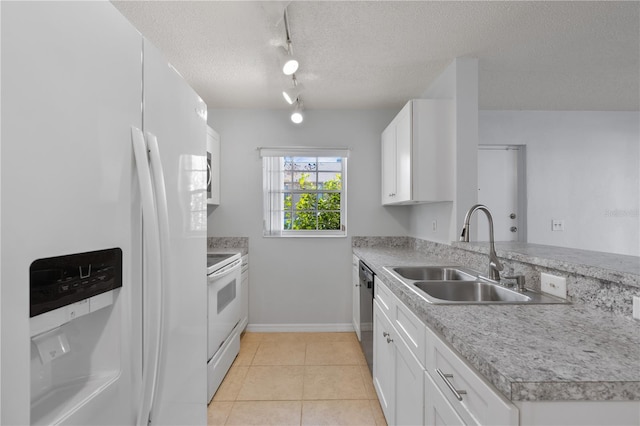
(296, 116)
(291, 94)
(289, 66)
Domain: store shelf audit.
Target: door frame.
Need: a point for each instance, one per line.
(521, 171)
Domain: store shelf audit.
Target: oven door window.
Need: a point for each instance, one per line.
(226, 295)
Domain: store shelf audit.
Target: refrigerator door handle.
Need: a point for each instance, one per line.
(152, 307)
(162, 210)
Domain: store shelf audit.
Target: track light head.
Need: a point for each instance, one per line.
(292, 93)
(288, 63)
(297, 116)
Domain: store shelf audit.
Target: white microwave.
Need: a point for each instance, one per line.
(213, 167)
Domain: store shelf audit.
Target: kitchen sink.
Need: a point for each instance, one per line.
(465, 291)
(431, 273)
(458, 285)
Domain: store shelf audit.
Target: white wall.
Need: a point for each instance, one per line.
(289, 278)
(459, 82)
(582, 167)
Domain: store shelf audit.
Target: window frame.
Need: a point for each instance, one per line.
(273, 177)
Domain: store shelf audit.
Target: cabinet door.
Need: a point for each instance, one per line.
(437, 410)
(409, 376)
(383, 362)
(389, 164)
(244, 288)
(403, 154)
(213, 149)
(355, 288)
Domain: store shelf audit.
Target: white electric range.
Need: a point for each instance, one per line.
(224, 312)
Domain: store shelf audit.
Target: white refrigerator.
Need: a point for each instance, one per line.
(102, 150)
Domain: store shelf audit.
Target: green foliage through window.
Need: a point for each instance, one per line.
(317, 209)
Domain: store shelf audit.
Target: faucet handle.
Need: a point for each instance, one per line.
(520, 281)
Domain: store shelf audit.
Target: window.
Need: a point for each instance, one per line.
(304, 192)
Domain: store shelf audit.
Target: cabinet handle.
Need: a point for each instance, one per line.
(455, 391)
(389, 340)
(392, 195)
(385, 334)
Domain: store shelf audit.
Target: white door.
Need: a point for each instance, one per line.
(499, 189)
(175, 114)
(70, 93)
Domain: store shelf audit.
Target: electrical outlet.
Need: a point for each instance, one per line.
(636, 307)
(556, 286)
(557, 225)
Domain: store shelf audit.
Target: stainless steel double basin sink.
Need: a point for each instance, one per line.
(457, 285)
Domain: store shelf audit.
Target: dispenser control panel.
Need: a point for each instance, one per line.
(60, 281)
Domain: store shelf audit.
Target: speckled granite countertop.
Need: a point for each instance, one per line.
(528, 352)
(612, 267)
(228, 244)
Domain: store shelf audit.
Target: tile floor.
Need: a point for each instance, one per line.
(297, 379)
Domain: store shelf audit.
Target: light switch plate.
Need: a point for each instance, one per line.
(553, 285)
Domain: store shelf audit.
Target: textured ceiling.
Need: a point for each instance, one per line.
(532, 55)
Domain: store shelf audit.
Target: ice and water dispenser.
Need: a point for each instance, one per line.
(75, 324)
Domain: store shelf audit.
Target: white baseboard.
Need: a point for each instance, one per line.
(299, 328)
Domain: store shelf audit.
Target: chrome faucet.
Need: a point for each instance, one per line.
(494, 264)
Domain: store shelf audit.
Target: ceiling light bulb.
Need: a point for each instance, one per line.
(288, 62)
(296, 116)
(290, 65)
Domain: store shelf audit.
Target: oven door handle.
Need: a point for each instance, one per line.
(227, 269)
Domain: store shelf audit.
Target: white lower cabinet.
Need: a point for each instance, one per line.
(383, 361)
(409, 381)
(420, 380)
(437, 410)
(355, 294)
(416, 374)
(471, 397)
(244, 289)
(398, 375)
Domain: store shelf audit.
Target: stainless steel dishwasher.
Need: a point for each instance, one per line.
(366, 312)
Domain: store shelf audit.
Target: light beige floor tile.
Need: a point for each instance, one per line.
(333, 382)
(348, 413)
(263, 413)
(217, 412)
(231, 385)
(331, 337)
(280, 353)
(284, 337)
(247, 352)
(334, 353)
(368, 382)
(263, 383)
(378, 415)
(249, 336)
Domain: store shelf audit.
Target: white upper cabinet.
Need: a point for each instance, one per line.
(418, 154)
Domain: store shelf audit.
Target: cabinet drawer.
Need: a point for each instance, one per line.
(385, 298)
(437, 410)
(411, 329)
(478, 402)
